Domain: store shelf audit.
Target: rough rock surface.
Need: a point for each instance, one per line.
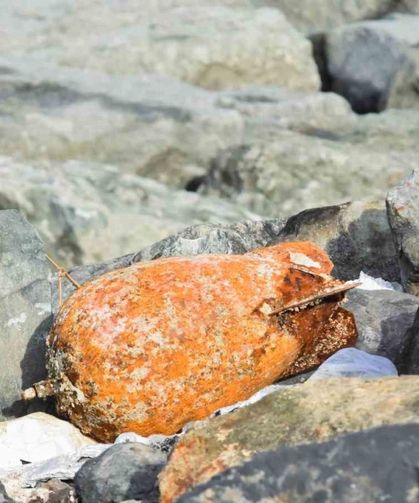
(154, 346)
(393, 129)
(267, 110)
(403, 215)
(300, 414)
(153, 125)
(376, 465)
(311, 16)
(124, 471)
(237, 238)
(90, 212)
(375, 63)
(297, 171)
(204, 44)
(25, 311)
(383, 318)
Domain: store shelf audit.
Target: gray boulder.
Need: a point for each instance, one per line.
(267, 110)
(235, 238)
(25, 312)
(213, 46)
(296, 171)
(403, 216)
(312, 16)
(153, 125)
(383, 319)
(391, 130)
(124, 471)
(374, 64)
(90, 212)
(374, 465)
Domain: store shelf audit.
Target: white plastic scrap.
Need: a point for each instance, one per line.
(352, 362)
(370, 283)
(62, 467)
(35, 438)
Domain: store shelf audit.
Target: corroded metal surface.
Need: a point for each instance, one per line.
(152, 346)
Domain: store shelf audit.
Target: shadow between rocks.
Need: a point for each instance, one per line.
(33, 369)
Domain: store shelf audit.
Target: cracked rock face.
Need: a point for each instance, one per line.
(153, 346)
(25, 311)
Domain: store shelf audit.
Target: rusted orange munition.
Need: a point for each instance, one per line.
(152, 346)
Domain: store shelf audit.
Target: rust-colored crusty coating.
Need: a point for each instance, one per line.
(152, 346)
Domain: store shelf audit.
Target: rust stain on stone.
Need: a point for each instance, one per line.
(155, 345)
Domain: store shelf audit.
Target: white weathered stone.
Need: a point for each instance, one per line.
(37, 437)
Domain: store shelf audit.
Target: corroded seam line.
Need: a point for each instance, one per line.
(328, 292)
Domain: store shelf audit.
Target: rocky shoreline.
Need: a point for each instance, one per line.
(182, 128)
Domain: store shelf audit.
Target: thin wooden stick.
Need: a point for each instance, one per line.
(60, 287)
(63, 272)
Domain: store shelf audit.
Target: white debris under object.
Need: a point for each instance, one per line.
(37, 437)
(352, 362)
(370, 283)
